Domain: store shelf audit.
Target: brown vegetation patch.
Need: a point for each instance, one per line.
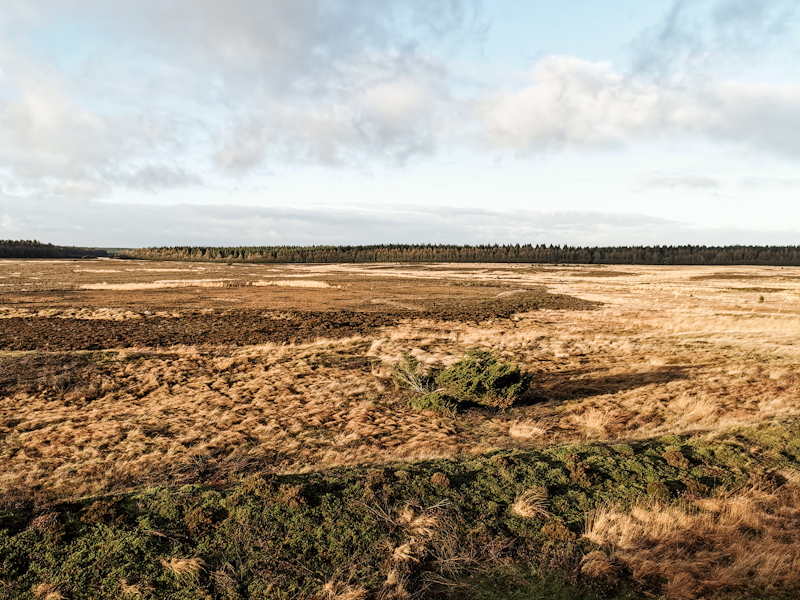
(735, 541)
(250, 327)
(213, 393)
(235, 328)
(601, 273)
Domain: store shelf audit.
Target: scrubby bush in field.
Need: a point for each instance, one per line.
(434, 401)
(479, 378)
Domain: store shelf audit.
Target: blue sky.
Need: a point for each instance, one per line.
(455, 121)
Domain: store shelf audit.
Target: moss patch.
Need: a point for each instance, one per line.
(430, 526)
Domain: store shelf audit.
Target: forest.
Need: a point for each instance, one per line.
(35, 249)
(527, 253)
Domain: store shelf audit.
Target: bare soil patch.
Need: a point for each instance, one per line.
(251, 327)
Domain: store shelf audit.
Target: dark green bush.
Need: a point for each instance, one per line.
(481, 378)
(434, 401)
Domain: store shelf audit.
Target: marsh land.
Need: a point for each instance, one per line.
(198, 430)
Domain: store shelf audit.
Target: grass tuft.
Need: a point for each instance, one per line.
(532, 504)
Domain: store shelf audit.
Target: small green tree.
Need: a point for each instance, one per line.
(481, 378)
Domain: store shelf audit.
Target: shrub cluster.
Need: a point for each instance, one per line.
(388, 531)
(479, 378)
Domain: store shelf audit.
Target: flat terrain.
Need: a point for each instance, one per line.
(117, 376)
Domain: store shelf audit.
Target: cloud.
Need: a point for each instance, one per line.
(569, 102)
(152, 177)
(699, 36)
(241, 82)
(287, 40)
(52, 144)
(103, 95)
(130, 225)
(389, 111)
(573, 103)
(674, 181)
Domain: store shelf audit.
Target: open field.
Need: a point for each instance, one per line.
(118, 378)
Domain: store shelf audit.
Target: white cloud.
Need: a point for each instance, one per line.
(241, 82)
(147, 95)
(50, 143)
(700, 36)
(575, 103)
(571, 102)
(678, 180)
(130, 225)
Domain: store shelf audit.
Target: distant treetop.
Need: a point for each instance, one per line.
(36, 249)
(526, 253)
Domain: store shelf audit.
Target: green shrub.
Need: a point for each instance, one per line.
(286, 536)
(434, 401)
(481, 378)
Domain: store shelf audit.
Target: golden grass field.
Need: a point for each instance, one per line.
(666, 350)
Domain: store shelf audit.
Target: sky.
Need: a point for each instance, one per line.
(300, 122)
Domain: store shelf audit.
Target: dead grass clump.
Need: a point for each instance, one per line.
(421, 528)
(394, 588)
(733, 542)
(337, 590)
(47, 591)
(134, 590)
(184, 567)
(532, 504)
(595, 422)
(597, 564)
(406, 552)
(528, 429)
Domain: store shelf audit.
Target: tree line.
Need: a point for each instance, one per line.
(36, 249)
(525, 253)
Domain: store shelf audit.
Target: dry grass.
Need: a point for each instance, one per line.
(305, 283)
(207, 283)
(527, 429)
(183, 415)
(672, 350)
(184, 567)
(337, 590)
(531, 504)
(733, 541)
(46, 591)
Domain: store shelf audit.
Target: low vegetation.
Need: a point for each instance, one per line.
(566, 520)
(596, 433)
(478, 378)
